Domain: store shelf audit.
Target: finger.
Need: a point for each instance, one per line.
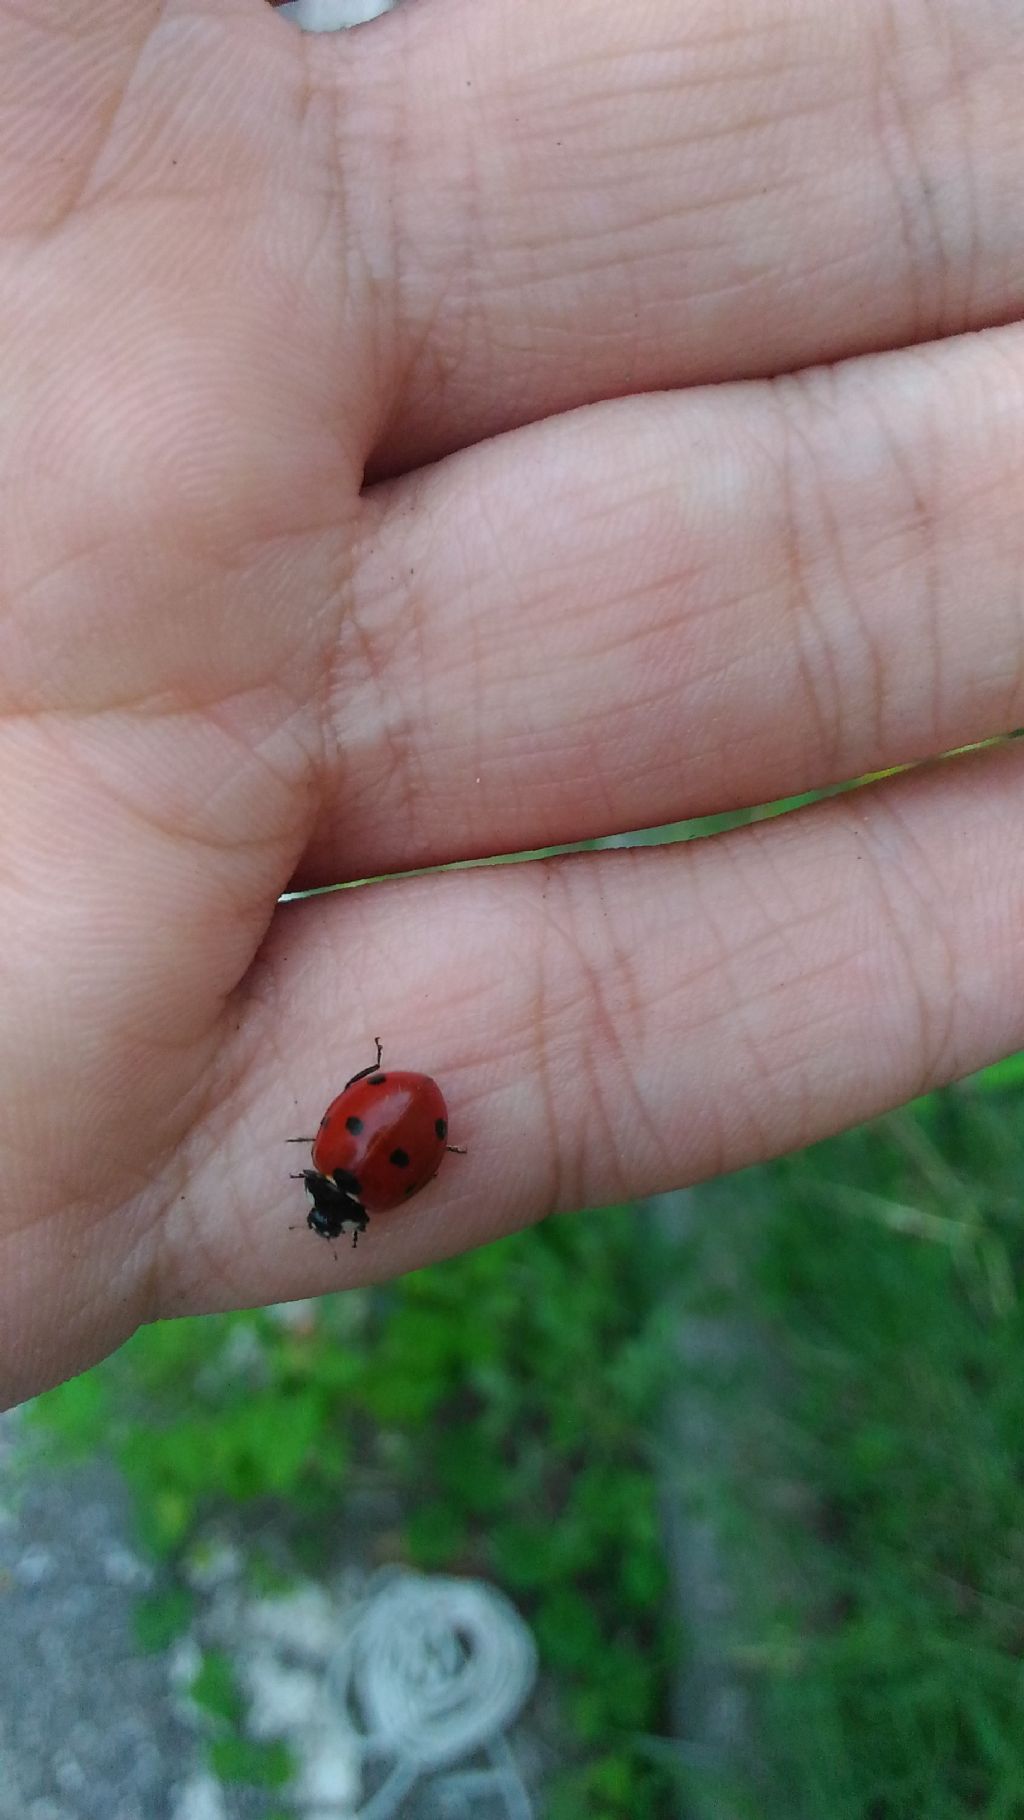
(105, 98)
(603, 1026)
(610, 1025)
(670, 607)
(594, 200)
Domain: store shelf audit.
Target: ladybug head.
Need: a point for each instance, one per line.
(333, 1207)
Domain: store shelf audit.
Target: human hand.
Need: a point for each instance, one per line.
(240, 269)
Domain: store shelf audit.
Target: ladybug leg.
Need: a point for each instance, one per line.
(372, 1069)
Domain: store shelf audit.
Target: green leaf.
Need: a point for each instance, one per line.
(161, 1617)
(521, 1557)
(236, 1759)
(215, 1688)
(76, 1414)
(613, 1779)
(168, 1518)
(435, 1536)
(568, 1629)
(469, 1472)
(643, 1578)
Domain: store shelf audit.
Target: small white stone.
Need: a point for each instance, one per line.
(212, 1564)
(68, 1773)
(34, 1566)
(242, 1359)
(329, 1773)
(301, 1314)
(184, 1660)
(304, 1621)
(200, 1798)
(282, 1699)
(123, 1568)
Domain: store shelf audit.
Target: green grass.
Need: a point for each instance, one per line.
(874, 1508)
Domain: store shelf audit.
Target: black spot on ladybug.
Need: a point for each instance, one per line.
(376, 1080)
(441, 1127)
(354, 1124)
(400, 1158)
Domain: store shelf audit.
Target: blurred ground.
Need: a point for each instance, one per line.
(95, 1727)
(92, 1726)
(86, 1729)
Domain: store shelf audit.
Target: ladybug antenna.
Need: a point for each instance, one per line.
(300, 1140)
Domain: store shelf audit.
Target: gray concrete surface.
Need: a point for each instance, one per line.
(86, 1729)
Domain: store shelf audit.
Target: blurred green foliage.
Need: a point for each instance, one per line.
(215, 1688)
(235, 1758)
(871, 1505)
(873, 1498)
(508, 1398)
(162, 1616)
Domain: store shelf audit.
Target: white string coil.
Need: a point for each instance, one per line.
(432, 1671)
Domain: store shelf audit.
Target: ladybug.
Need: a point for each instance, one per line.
(380, 1141)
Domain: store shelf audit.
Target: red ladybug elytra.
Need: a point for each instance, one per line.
(380, 1141)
